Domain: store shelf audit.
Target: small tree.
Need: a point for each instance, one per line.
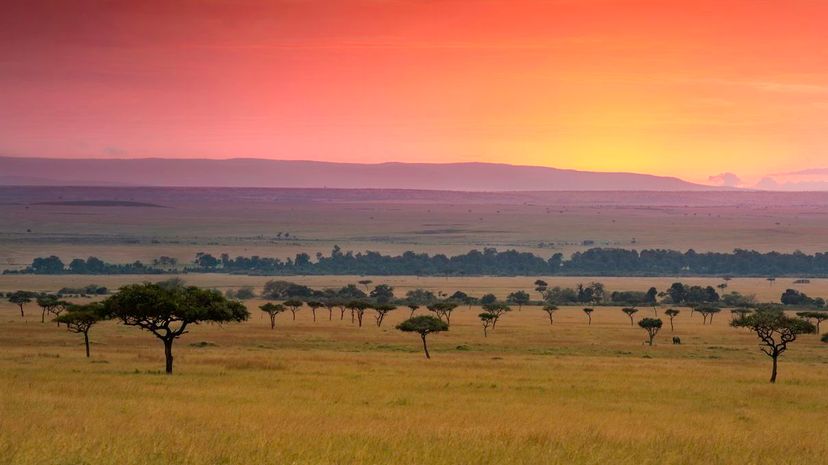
(80, 318)
(423, 325)
(652, 326)
(775, 331)
(358, 308)
(314, 305)
(272, 310)
(496, 310)
(540, 287)
(365, 283)
(294, 305)
(630, 311)
(21, 298)
(740, 312)
(413, 308)
(383, 310)
(707, 314)
(817, 317)
(588, 313)
(167, 312)
(671, 313)
(519, 298)
(443, 310)
(550, 311)
(488, 320)
(51, 304)
(488, 299)
(382, 293)
(330, 305)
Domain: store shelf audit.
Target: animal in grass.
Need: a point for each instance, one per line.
(676, 340)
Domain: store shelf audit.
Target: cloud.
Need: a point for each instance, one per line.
(726, 180)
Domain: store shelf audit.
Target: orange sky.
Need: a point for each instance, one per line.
(683, 88)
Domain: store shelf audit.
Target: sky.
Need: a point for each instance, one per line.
(722, 92)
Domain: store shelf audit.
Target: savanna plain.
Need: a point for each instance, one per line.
(330, 392)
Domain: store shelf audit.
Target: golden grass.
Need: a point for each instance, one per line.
(330, 393)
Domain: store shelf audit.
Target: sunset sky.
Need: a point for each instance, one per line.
(683, 88)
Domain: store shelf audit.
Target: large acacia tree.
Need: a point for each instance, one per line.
(443, 310)
(652, 326)
(775, 331)
(167, 311)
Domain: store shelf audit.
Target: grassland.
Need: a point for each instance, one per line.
(331, 393)
(248, 223)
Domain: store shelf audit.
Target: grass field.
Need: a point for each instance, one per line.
(331, 393)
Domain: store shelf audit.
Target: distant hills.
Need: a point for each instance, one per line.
(250, 172)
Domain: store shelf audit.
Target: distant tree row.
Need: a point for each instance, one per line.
(593, 262)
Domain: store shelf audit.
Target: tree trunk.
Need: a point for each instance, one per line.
(168, 355)
(484, 332)
(314, 315)
(43, 316)
(272, 321)
(773, 371)
(86, 341)
(22, 315)
(589, 318)
(671, 325)
(425, 347)
(294, 314)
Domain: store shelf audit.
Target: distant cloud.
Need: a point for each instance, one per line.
(768, 183)
(726, 180)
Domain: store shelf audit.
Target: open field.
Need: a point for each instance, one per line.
(247, 222)
(329, 392)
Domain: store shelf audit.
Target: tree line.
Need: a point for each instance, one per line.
(168, 308)
(489, 261)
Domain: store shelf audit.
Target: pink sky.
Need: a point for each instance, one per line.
(682, 88)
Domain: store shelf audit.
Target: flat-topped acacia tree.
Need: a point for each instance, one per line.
(167, 311)
(382, 311)
(671, 313)
(550, 311)
(358, 308)
(519, 298)
(487, 319)
(21, 298)
(775, 331)
(413, 308)
(496, 310)
(652, 326)
(272, 310)
(314, 305)
(423, 325)
(630, 311)
(80, 319)
(443, 310)
(293, 305)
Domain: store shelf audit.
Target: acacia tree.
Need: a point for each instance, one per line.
(413, 307)
(550, 310)
(519, 298)
(652, 326)
(167, 311)
(80, 318)
(294, 305)
(818, 317)
(588, 312)
(21, 298)
(330, 305)
(358, 308)
(488, 320)
(496, 310)
(50, 304)
(707, 314)
(443, 310)
(314, 305)
(423, 325)
(671, 313)
(775, 331)
(630, 311)
(272, 310)
(540, 287)
(383, 310)
(366, 283)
